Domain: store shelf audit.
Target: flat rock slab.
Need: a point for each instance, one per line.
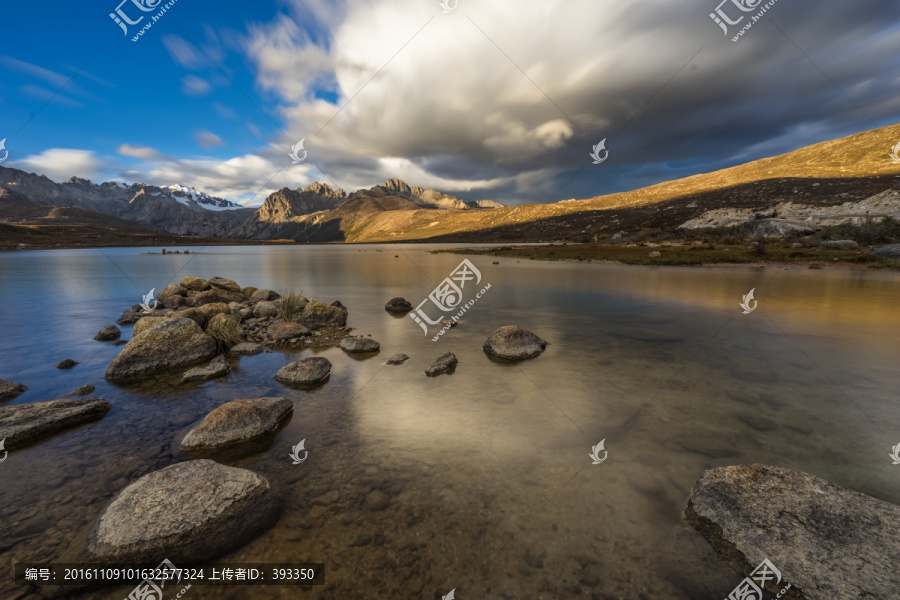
(356, 343)
(306, 371)
(25, 424)
(281, 331)
(171, 344)
(829, 542)
(445, 363)
(513, 343)
(9, 390)
(238, 422)
(190, 511)
(217, 367)
(246, 349)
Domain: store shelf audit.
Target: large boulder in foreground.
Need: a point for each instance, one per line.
(238, 422)
(170, 344)
(305, 372)
(827, 541)
(9, 390)
(190, 511)
(25, 424)
(513, 343)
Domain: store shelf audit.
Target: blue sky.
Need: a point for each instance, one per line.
(499, 100)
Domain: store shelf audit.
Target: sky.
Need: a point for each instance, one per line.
(501, 100)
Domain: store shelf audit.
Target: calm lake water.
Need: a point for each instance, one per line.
(492, 491)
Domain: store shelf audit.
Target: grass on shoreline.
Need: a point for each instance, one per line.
(684, 255)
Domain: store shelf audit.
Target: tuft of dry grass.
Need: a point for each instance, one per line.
(288, 306)
(226, 330)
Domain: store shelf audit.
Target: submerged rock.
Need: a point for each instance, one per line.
(355, 343)
(23, 424)
(398, 359)
(306, 371)
(108, 333)
(442, 364)
(84, 390)
(66, 364)
(172, 344)
(9, 390)
(513, 343)
(398, 305)
(827, 541)
(238, 422)
(218, 367)
(190, 511)
(246, 349)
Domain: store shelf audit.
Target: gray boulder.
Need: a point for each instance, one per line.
(444, 363)
(173, 295)
(776, 228)
(228, 285)
(217, 367)
(172, 344)
(9, 390)
(356, 344)
(108, 333)
(24, 424)
(190, 511)
(265, 309)
(145, 324)
(217, 295)
(513, 343)
(398, 359)
(194, 314)
(304, 372)
(398, 305)
(238, 422)
(827, 541)
(888, 251)
(840, 245)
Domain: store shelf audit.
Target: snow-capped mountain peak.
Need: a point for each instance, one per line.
(188, 195)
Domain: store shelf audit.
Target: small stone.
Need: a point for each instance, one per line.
(84, 390)
(398, 359)
(357, 344)
(246, 349)
(218, 367)
(444, 363)
(306, 371)
(513, 343)
(398, 305)
(362, 540)
(535, 562)
(108, 333)
(66, 364)
(655, 254)
(9, 390)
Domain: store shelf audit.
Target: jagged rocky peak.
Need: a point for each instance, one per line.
(398, 185)
(323, 189)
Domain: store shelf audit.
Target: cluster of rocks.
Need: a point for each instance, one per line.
(256, 313)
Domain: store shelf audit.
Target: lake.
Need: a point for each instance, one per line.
(492, 490)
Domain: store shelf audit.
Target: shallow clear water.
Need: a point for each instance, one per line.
(491, 488)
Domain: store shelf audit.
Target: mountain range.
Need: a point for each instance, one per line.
(828, 173)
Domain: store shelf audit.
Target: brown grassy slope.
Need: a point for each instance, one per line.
(859, 155)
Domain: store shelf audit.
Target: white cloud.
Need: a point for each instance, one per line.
(143, 152)
(195, 86)
(59, 164)
(208, 139)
